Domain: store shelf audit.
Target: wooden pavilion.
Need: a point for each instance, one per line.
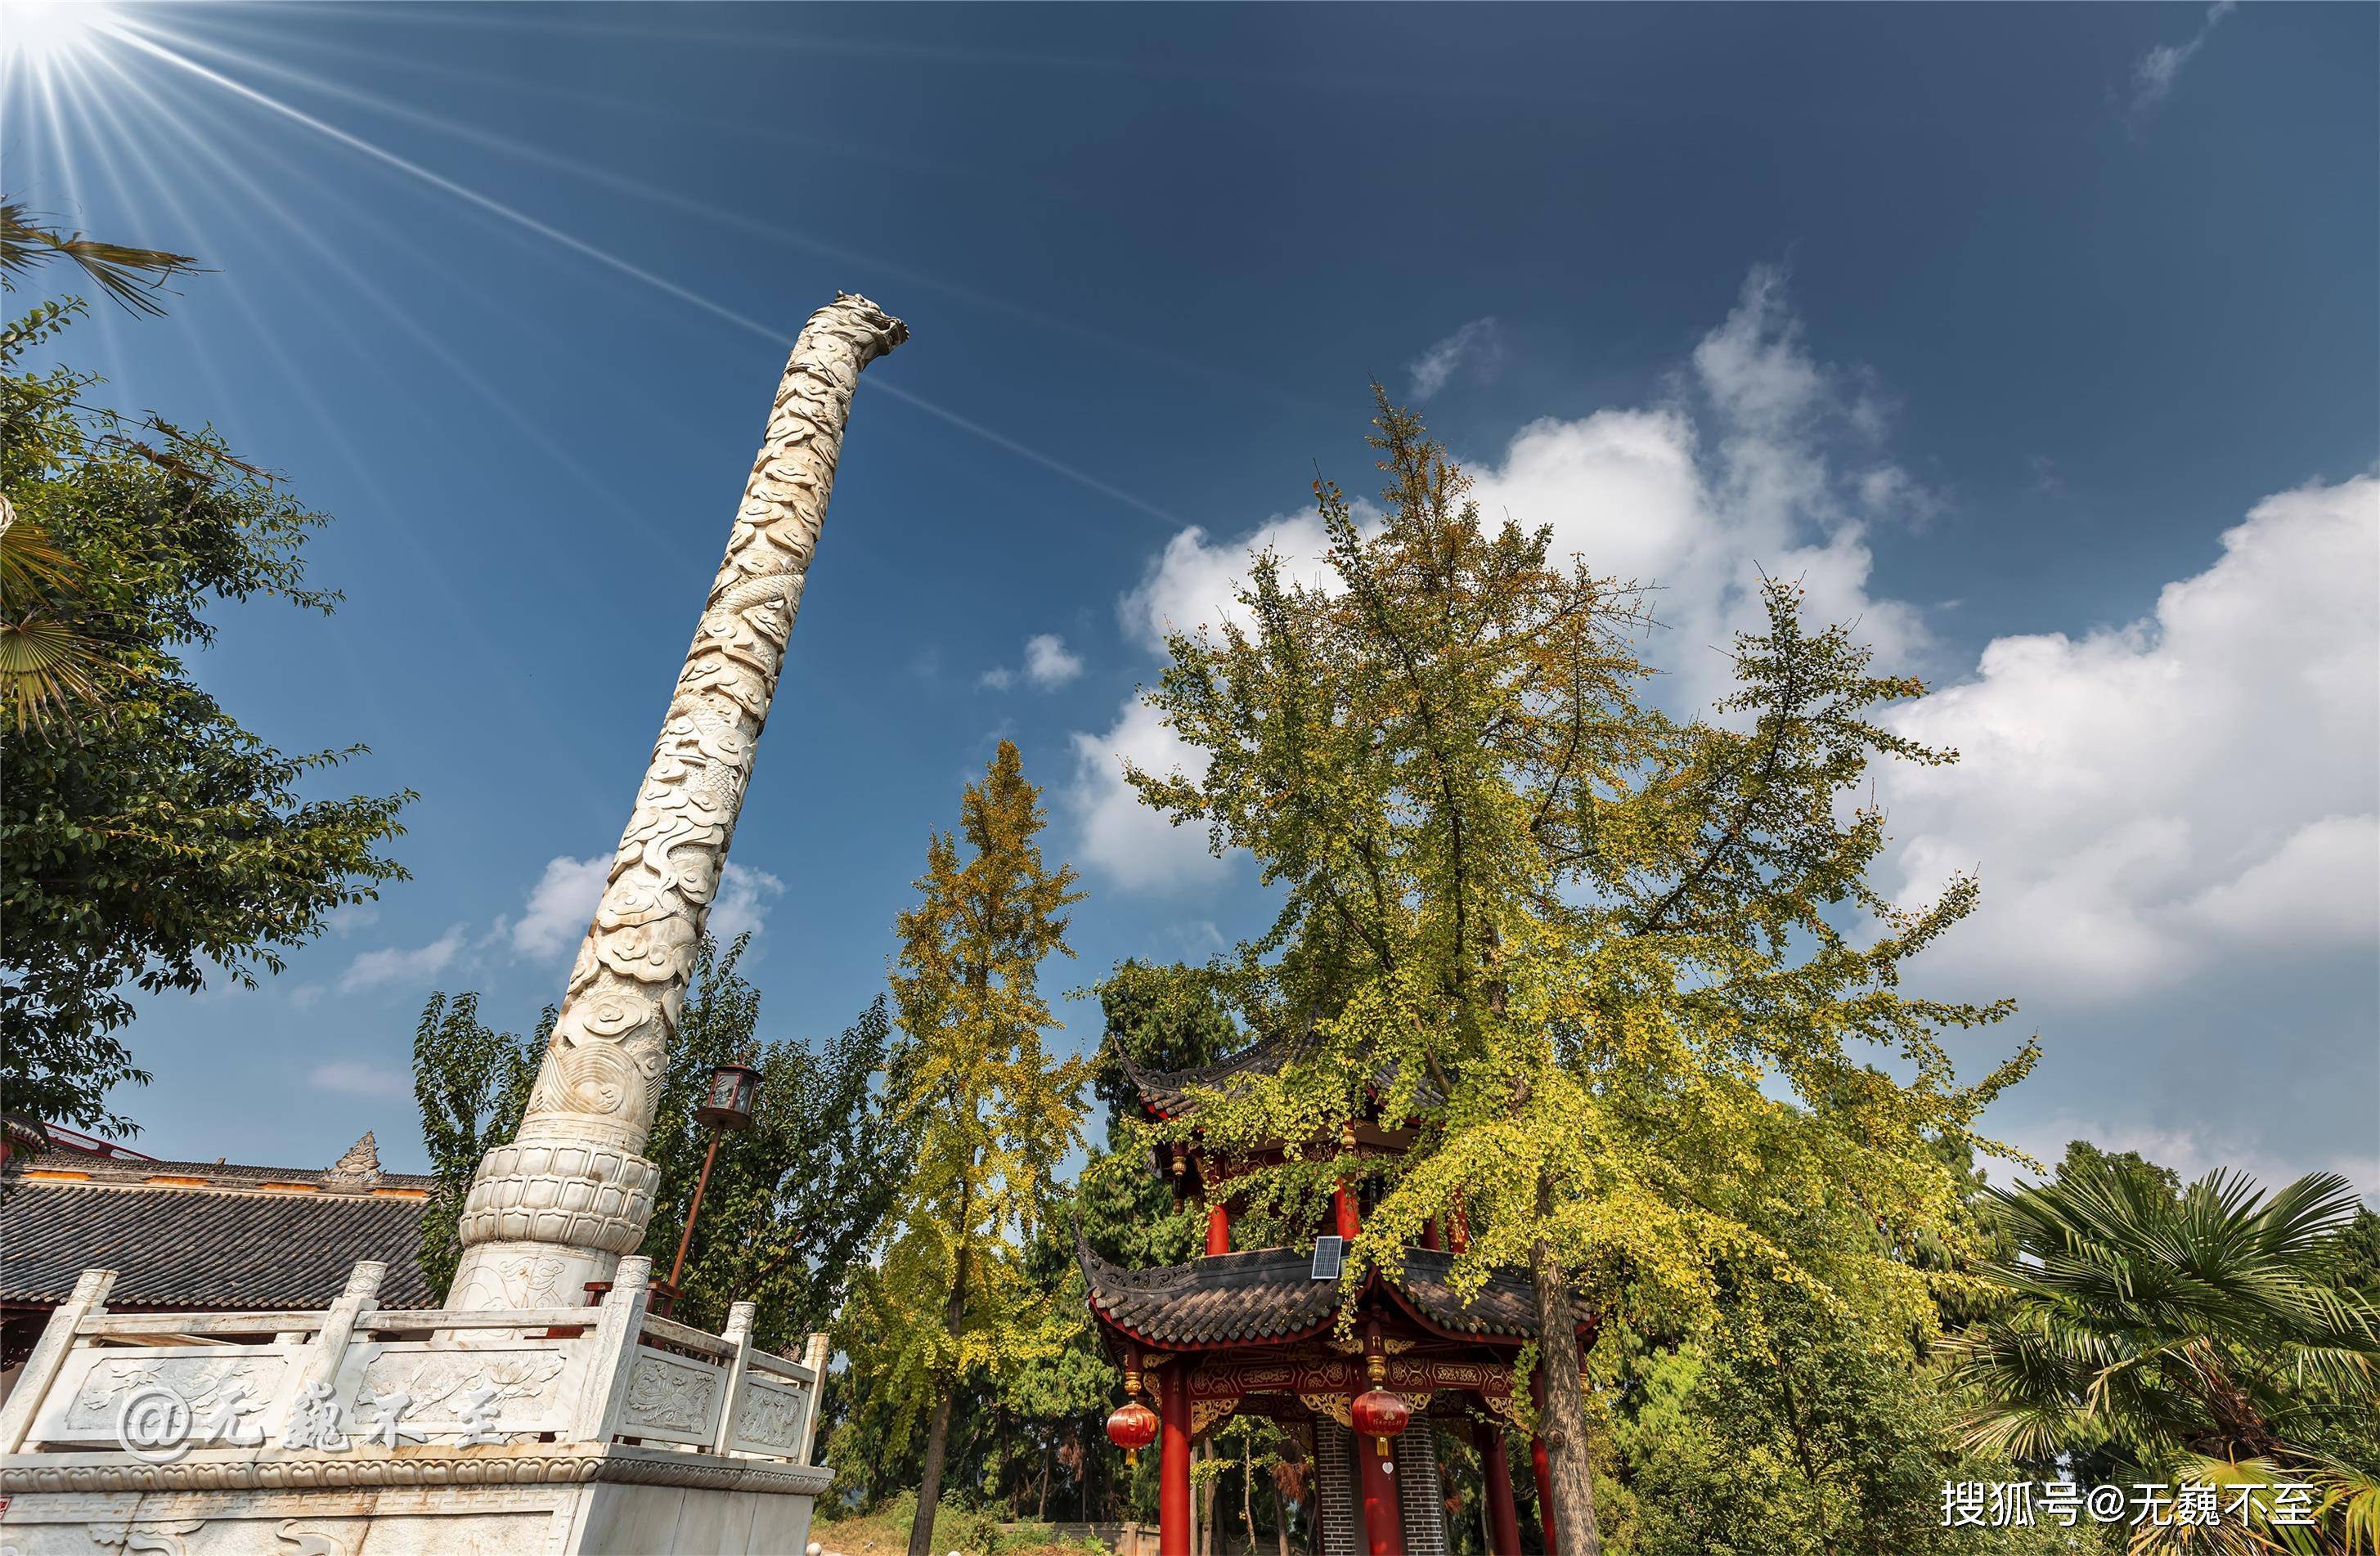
(1255, 1330)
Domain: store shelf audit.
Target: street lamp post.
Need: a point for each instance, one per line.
(726, 1105)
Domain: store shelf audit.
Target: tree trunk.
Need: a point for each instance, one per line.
(1206, 1451)
(1248, 1501)
(1564, 1424)
(930, 1483)
(938, 1429)
(1280, 1519)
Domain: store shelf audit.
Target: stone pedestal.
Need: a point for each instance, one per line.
(624, 1501)
(359, 1432)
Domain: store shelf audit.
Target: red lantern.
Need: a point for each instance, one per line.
(1131, 1428)
(1380, 1415)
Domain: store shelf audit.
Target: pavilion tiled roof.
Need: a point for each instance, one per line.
(1168, 1092)
(1270, 1294)
(1506, 1306)
(208, 1234)
(1265, 1295)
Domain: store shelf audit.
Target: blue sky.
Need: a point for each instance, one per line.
(2041, 339)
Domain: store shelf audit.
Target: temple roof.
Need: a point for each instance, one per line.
(1167, 1092)
(1270, 1294)
(210, 1235)
(1267, 1294)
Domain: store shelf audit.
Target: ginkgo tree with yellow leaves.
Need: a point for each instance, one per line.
(949, 1305)
(1624, 972)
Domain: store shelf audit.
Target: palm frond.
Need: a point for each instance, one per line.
(46, 667)
(2157, 1322)
(134, 277)
(30, 563)
(47, 663)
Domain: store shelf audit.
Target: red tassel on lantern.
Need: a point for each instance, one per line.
(1379, 1416)
(1131, 1428)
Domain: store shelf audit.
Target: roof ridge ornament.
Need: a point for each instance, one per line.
(359, 1166)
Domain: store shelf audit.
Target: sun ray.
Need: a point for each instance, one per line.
(520, 21)
(461, 617)
(587, 251)
(186, 232)
(775, 232)
(1021, 450)
(450, 361)
(109, 351)
(381, 63)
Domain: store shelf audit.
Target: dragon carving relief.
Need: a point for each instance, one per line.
(600, 1079)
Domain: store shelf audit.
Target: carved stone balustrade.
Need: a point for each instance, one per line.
(360, 1429)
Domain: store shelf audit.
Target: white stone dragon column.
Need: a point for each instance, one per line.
(558, 1206)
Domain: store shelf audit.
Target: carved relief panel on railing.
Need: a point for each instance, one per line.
(769, 1417)
(222, 1400)
(672, 1399)
(486, 1394)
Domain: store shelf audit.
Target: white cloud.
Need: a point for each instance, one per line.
(2155, 800)
(560, 906)
(305, 996)
(746, 895)
(1738, 473)
(352, 1077)
(2190, 1152)
(1048, 664)
(1693, 498)
(1478, 346)
(2155, 73)
(349, 917)
(395, 964)
(1191, 585)
(2321, 884)
(1127, 840)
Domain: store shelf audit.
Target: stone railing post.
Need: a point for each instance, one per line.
(619, 1324)
(737, 1334)
(814, 1357)
(320, 1361)
(49, 1356)
(554, 1209)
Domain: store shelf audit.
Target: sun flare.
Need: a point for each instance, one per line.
(37, 32)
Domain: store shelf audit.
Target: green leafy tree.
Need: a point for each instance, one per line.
(1163, 1018)
(794, 1201)
(1039, 1434)
(1598, 958)
(991, 1117)
(2200, 1334)
(147, 839)
(1792, 1426)
(2087, 1163)
(471, 1084)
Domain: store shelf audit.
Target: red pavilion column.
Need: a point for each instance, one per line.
(1218, 1229)
(1173, 1458)
(1545, 1470)
(1496, 1474)
(1384, 1529)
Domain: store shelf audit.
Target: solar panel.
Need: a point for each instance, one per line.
(1329, 1253)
